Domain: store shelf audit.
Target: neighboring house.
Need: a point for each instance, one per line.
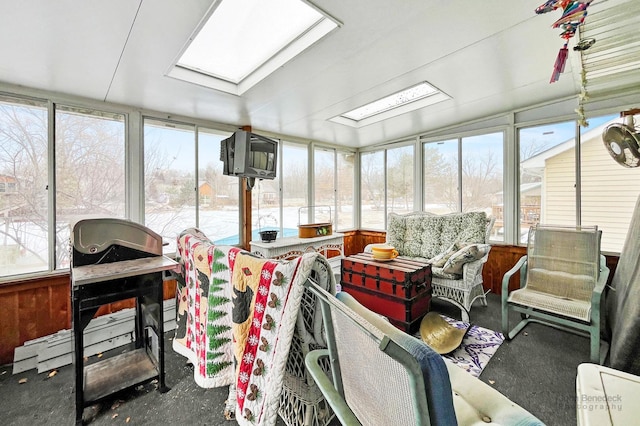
(604, 182)
(267, 190)
(8, 184)
(9, 206)
(270, 198)
(529, 209)
(206, 193)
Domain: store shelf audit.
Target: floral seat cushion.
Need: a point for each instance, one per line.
(428, 235)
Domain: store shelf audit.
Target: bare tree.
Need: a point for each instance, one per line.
(529, 149)
(440, 178)
(295, 179)
(372, 178)
(89, 154)
(481, 180)
(323, 171)
(23, 158)
(90, 175)
(345, 180)
(400, 176)
(90, 171)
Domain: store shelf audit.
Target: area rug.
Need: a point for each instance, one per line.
(477, 348)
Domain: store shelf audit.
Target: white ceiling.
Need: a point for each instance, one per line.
(490, 56)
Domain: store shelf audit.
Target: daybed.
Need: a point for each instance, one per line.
(456, 246)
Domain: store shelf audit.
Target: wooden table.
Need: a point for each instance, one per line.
(330, 246)
(287, 247)
(399, 289)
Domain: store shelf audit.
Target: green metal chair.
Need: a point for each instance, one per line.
(562, 279)
(382, 376)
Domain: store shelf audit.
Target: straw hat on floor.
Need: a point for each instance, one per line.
(441, 336)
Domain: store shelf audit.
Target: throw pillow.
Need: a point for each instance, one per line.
(466, 253)
(439, 260)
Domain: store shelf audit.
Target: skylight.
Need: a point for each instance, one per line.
(243, 41)
(412, 98)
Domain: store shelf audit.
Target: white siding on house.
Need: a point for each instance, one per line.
(559, 193)
(609, 192)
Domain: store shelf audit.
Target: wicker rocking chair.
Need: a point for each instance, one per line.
(562, 279)
(301, 402)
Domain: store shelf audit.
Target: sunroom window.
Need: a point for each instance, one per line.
(24, 247)
(466, 174)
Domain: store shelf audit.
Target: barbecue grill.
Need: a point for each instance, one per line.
(113, 260)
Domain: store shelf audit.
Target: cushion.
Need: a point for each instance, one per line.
(422, 234)
(439, 273)
(439, 260)
(469, 226)
(561, 284)
(477, 403)
(397, 231)
(467, 253)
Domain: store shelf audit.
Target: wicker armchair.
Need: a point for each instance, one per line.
(301, 402)
(383, 376)
(468, 288)
(562, 279)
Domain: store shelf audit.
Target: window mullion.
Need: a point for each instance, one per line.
(51, 187)
(459, 174)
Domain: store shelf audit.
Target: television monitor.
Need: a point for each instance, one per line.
(246, 154)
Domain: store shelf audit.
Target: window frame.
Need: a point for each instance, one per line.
(509, 122)
(417, 176)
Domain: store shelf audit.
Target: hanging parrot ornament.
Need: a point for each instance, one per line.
(573, 14)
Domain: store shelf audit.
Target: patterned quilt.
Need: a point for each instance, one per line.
(235, 320)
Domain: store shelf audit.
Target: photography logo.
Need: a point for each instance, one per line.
(599, 402)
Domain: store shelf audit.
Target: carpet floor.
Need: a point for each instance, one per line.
(536, 370)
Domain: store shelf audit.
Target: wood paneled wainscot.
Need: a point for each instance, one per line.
(38, 307)
(501, 258)
(30, 309)
(41, 306)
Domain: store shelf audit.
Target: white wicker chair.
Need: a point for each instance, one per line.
(301, 402)
(462, 291)
(466, 290)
